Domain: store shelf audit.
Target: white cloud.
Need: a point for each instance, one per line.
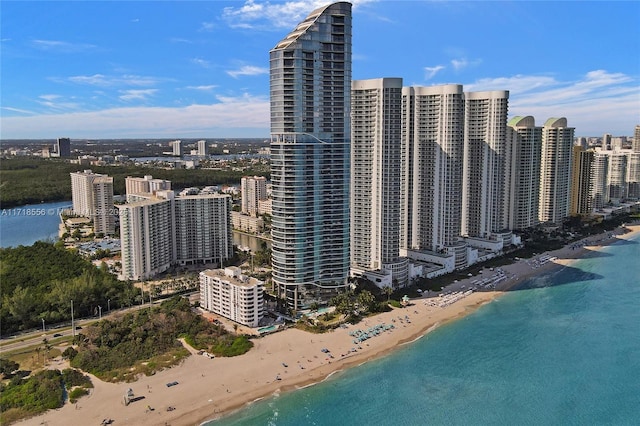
(244, 116)
(109, 81)
(515, 84)
(131, 95)
(459, 64)
(203, 88)
(201, 62)
(61, 46)
(207, 27)
(596, 103)
(267, 16)
(248, 70)
(430, 72)
(21, 111)
(49, 97)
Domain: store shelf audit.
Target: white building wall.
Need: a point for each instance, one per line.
(232, 295)
(376, 134)
(555, 171)
(484, 190)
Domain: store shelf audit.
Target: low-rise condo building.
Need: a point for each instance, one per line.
(228, 293)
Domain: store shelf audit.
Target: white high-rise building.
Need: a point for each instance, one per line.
(92, 196)
(203, 229)
(146, 238)
(176, 148)
(310, 148)
(555, 170)
(376, 147)
(432, 161)
(617, 176)
(232, 295)
(253, 189)
(145, 185)
(162, 230)
(202, 148)
(633, 175)
(486, 165)
(600, 177)
(524, 172)
(635, 145)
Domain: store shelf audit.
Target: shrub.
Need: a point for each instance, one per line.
(75, 394)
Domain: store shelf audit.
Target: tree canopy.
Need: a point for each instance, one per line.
(39, 282)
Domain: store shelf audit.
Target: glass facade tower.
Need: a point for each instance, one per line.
(310, 92)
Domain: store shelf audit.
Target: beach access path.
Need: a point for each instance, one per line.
(208, 388)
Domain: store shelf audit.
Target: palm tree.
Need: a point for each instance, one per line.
(388, 291)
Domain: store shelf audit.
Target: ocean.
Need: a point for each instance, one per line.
(561, 349)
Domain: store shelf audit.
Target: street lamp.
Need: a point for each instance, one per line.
(108, 305)
(100, 310)
(43, 330)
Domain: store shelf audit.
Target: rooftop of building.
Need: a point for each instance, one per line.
(232, 275)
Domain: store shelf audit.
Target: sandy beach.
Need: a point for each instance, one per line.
(291, 359)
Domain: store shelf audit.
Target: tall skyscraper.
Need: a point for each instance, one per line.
(555, 170)
(253, 189)
(581, 182)
(484, 196)
(92, 196)
(635, 145)
(633, 175)
(617, 176)
(600, 178)
(376, 142)
(524, 172)
(310, 148)
(63, 147)
(432, 161)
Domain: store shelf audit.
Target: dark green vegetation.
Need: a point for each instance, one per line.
(34, 180)
(25, 397)
(145, 341)
(40, 281)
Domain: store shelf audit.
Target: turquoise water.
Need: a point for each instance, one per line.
(27, 224)
(563, 349)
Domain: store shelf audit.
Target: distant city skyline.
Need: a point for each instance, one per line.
(165, 69)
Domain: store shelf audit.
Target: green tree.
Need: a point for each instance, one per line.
(7, 366)
(388, 291)
(366, 301)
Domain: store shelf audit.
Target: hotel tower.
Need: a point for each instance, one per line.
(310, 147)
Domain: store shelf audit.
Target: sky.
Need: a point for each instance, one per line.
(200, 69)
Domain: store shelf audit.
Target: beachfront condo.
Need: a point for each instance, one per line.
(376, 146)
(555, 171)
(310, 71)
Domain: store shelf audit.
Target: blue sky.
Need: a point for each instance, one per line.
(182, 69)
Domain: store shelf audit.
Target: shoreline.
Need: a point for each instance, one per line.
(293, 359)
